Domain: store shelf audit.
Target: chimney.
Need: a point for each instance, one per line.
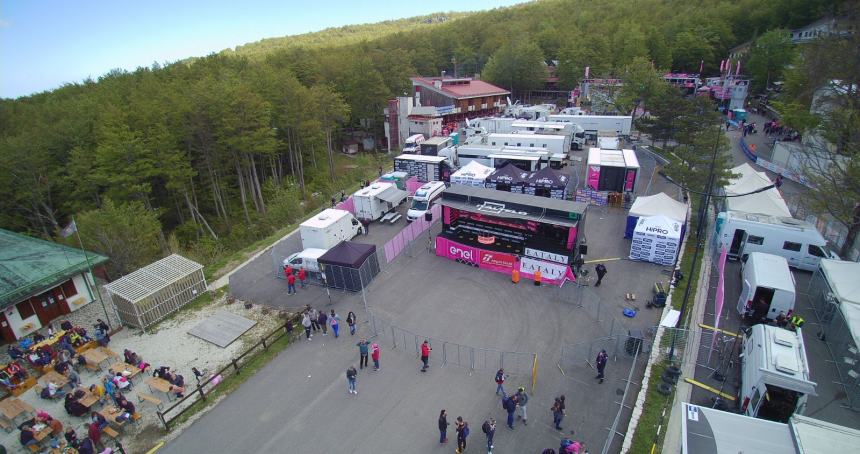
(437, 84)
(443, 74)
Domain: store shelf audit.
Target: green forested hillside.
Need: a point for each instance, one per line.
(225, 149)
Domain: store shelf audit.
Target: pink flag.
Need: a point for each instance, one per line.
(587, 70)
(722, 65)
(719, 297)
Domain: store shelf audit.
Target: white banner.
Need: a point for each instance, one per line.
(551, 256)
(549, 270)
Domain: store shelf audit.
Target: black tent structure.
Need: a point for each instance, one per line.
(349, 266)
(547, 182)
(509, 178)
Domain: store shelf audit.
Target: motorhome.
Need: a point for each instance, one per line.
(306, 259)
(328, 228)
(413, 143)
(775, 381)
(528, 159)
(374, 201)
(798, 241)
(593, 124)
(423, 199)
(768, 287)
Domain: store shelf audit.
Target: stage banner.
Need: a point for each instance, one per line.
(551, 273)
(456, 251)
(497, 261)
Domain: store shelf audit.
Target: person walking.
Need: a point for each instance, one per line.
(303, 277)
(558, 412)
(509, 403)
(522, 401)
(443, 427)
(362, 350)
(374, 355)
(489, 429)
(462, 434)
(314, 314)
(350, 379)
(350, 320)
(600, 269)
(322, 321)
(334, 321)
(425, 354)
(291, 284)
(306, 323)
(601, 364)
(500, 382)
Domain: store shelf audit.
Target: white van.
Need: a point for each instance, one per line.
(775, 382)
(768, 287)
(413, 144)
(306, 259)
(424, 198)
(798, 241)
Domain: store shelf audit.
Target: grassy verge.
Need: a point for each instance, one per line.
(233, 381)
(647, 437)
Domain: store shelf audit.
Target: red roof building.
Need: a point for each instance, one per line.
(459, 98)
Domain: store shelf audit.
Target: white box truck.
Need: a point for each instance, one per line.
(328, 228)
(413, 144)
(775, 382)
(767, 287)
(798, 241)
(374, 201)
(593, 124)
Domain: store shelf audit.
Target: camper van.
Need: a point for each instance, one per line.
(423, 199)
(306, 259)
(413, 144)
(767, 287)
(774, 374)
(374, 201)
(798, 241)
(329, 228)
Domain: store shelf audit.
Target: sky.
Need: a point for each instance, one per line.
(47, 43)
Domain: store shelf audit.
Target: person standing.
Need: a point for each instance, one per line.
(314, 314)
(500, 382)
(374, 355)
(306, 323)
(291, 284)
(600, 269)
(350, 320)
(601, 364)
(322, 321)
(303, 277)
(350, 379)
(510, 405)
(288, 270)
(443, 427)
(362, 350)
(523, 400)
(334, 320)
(489, 429)
(558, 412)
(462, 434)
(425, 354)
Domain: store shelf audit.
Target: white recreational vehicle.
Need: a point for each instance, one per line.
(767, 287)
(798, 241)
(593, 124)
(328, 228)
(528, 159)
(413, 143)
(424, 198)
(775, 378)
(374, 201)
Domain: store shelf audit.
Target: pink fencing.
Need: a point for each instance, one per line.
(395, 246)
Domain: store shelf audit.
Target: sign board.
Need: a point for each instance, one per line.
(544, 255)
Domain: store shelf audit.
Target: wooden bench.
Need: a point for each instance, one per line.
(35, 448)
(136, 417)
(24, 386)
(87, 346)
(6, 425)
(93, 367)
(141, 396)
(110, 432)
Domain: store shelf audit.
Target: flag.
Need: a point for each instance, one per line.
(69, 230)
(722, 65)
(587, 70)
(701, 66)
(738, 71)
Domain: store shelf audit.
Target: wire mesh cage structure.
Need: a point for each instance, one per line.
(153, 292)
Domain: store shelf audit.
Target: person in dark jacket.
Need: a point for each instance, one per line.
(322, 321)
(600, 361)
(363, 347)
(86, 447)
(500, 382)
(28, 436)
(350, 379)
(350, 320)
(443, 427)
(489, 429)
(558, 412)
(462, 434)
(510, 405)
(600, 269)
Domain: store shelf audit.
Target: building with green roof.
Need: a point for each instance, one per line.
(40, 281)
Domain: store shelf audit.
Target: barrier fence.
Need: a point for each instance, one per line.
(204, 388)
(413, 231)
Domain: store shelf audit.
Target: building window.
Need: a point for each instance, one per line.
(25, 309)
(752, 239)
(791, 246)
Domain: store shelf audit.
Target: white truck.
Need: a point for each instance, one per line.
(775, 381)
(528, 159)
(798, 241)
(329, 228)
(374, 201)
(413, 144)
(768, 287)
(594, 124)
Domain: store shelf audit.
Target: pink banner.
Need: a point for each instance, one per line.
(720, 296)
(497, 261)
(455, 251)
(593, 177)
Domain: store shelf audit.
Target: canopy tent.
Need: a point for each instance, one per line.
(652, 205)
(349, 266)
(509, 178)
(393, 194)
(768, 202)
(656, 239)
(472, 174)
(844, 283)
(547, 182)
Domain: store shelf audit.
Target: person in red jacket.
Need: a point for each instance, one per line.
(425, 354)
(291, 284)
(288, 270)
(303, 275)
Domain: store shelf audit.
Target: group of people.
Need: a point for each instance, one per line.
(177, 381)
(365, 348)
(314, 321)
(290, 273)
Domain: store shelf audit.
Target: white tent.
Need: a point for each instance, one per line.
(843, 280)
(472, 174)
(659, 203)
(656, 239)
(769, 202)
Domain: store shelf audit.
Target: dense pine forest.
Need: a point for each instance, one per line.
(207, 155)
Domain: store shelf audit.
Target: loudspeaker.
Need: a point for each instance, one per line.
(428, 216)
(583, 249)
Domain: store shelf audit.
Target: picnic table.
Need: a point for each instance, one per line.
(57, 378)
(49, 341)
(159, 384)
(95, 356)
(110, 412)
(89, 399)
(110, 353)
(13, 407)
(43, 432)
(124, 368)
